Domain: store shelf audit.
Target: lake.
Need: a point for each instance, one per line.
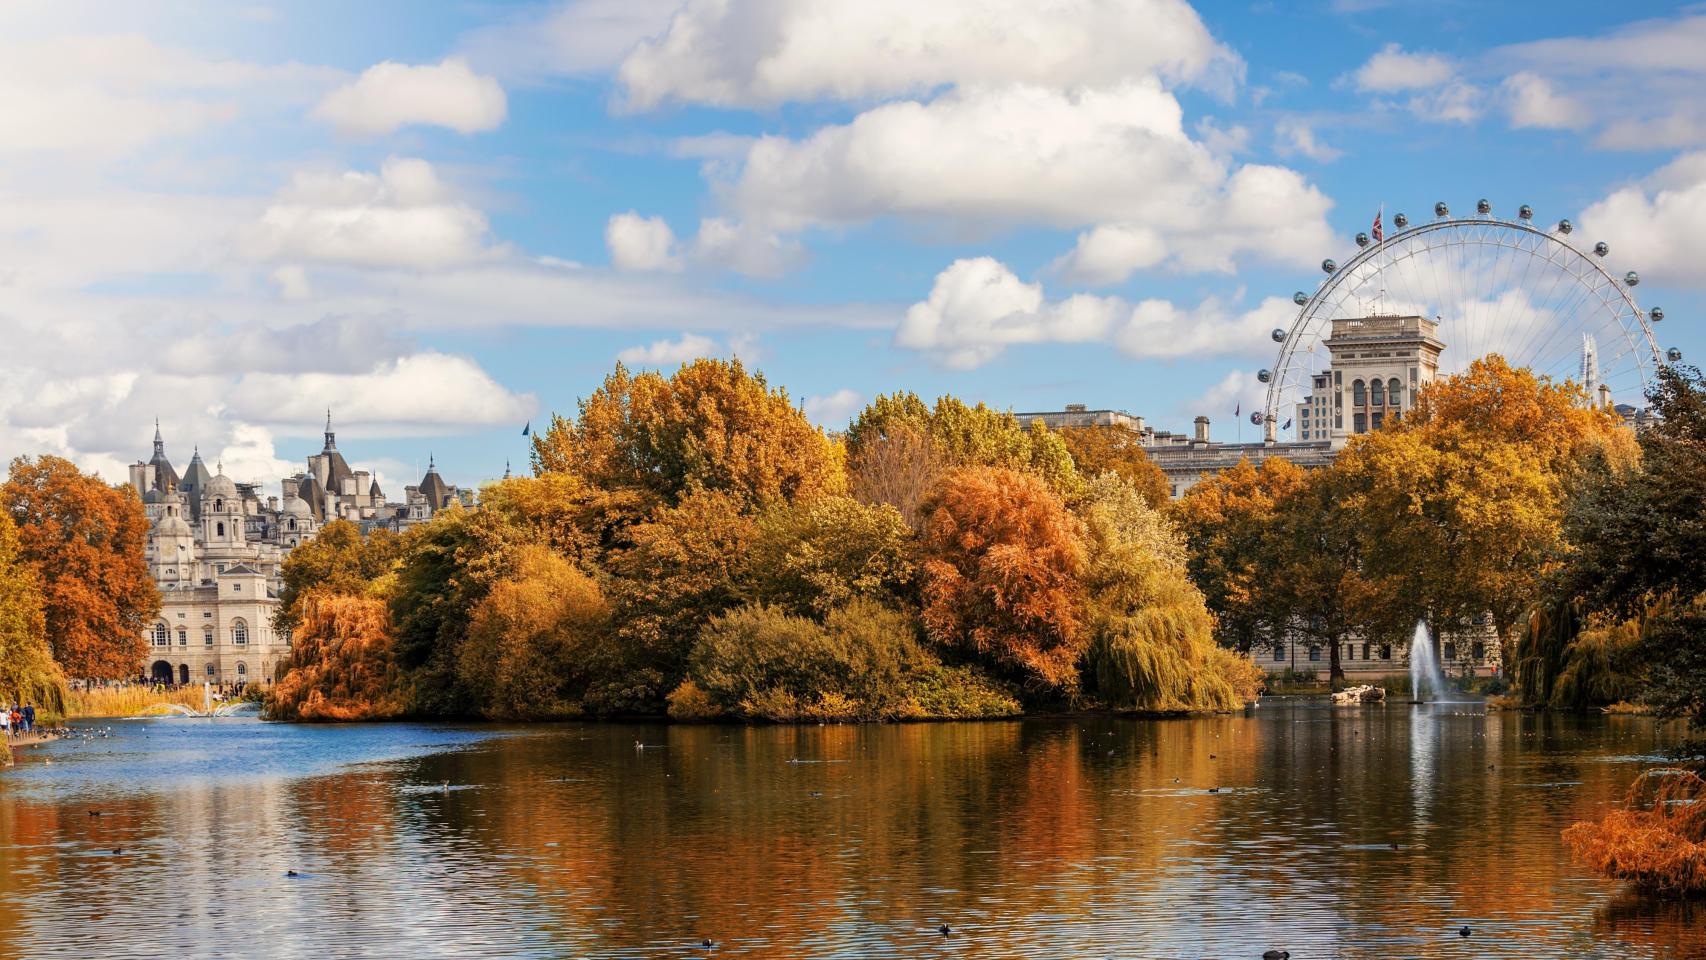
(1086, 837)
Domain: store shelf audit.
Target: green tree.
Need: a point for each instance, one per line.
(810, 558)
(84, 539)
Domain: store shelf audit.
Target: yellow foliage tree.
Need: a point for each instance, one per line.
(1119, 450)
(27, 671)
(529, 637)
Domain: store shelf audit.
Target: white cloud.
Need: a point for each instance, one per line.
(292, 282)
(1294, 136)
(423, 392)
(640, 243)
(1533, 102)
(1229, 401)
(978, 307)
(762, 53)
(669, 353)
(836, 410)
(1654, 225)
(403, 216)
(569, 38)
(1086, 158)
(391, 95)
(1393, 70)
(744, 248)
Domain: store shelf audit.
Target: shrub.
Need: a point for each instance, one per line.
(688, 702)
(1658, 840)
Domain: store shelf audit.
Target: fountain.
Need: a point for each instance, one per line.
(1425, 671)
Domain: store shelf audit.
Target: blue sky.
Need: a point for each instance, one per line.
(446, 221)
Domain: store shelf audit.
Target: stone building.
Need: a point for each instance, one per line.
(215, 550)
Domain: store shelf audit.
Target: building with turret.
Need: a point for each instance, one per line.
(216, 549)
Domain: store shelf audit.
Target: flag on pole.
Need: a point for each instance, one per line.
(527, 430)
(1379, 234)
(1287, 425)
(1238, 409)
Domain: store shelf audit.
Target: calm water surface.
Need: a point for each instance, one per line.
(1043, 838)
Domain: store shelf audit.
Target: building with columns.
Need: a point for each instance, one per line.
(216, 549)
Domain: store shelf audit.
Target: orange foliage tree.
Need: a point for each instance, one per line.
(1118, 450)
(1001, 574)
(1224, 519)
(85, 540)
(712, 426)
(343, 663)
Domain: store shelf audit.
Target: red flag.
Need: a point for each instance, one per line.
(1379, 234)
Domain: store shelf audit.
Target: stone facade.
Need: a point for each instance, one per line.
(216, 549)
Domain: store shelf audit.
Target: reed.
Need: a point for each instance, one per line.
(129, 701)
(1658, 840)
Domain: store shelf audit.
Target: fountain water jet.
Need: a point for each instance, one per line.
(1424, 665)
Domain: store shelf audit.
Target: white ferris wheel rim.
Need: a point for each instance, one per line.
(1585, 269)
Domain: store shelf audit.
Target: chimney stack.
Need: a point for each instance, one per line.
(1202, 430)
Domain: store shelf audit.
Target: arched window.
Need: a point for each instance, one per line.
(219, 529)
(239, 632)
(1358, 393)
(292, 523)
(1379, 391)
(1279, 653)
(242, 669)
(1314, 652)
(159, 635)
(1394, 391)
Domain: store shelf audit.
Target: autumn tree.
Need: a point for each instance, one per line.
(1224, 520)
(1001, 575)
(27, 671)
(810, 558)
(711, 426)
(343, 664)
(1118, 450)
(1151, 636)
(568, 514)
(897, 467)
(338, 560)
(530, 638)
(966, 436)
(84, 539)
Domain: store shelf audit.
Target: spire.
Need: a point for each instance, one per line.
(506, 470)
(431, 468)
(331, 438)
(159, 442)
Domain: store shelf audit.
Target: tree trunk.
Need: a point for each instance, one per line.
(1336, 670)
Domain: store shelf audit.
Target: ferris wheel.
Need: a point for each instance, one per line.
(1493, 285)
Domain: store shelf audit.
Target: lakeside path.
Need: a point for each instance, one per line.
(30, 740)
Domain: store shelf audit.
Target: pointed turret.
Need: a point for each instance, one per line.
(433, 487)
(165, 478)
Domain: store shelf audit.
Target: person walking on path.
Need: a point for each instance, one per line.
(6, 722)
(29, 718)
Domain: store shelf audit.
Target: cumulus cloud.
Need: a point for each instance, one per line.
(1429, 85)
(834, 411)
(402, 216)
(669, 353)
(978, 307)
(391, 95)
(421, 392)
(1294, 137)
(640, 243)
(1533, 102)
(569, 38)
(1653, 225)
(1233, 396)
(744, 53)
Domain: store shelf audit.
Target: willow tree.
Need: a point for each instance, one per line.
(1151, 635)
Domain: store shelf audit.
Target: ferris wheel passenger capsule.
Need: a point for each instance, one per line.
(1300, 298)
(1525, 212)
(1265, 376)
(1400, 221)
(1565, 226)
(1441, 210)
(1329, 266)
(1673, 355)
(1601, 248)
(1483, 206)
(1631, 278)
(1278, 335)
(1656, 314)
(1362, 239)
(1256, 417)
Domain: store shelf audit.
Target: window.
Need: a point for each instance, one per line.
(1365, 649)
(1314, 652)
(207, 636)
(1379, 419)
(219, 507)
(292, 523)
(1279, 652)
(1386, 651)
(210, 669)
(160, 635)
(1361, 421)
(1359, 394)
(1350, 652)
(242, 669)
(1450, 651)
(1478, 651)
(236, 588)
(1378, 393)
(239, 632)
(183, 637)
(1394, 391)
(207, 615)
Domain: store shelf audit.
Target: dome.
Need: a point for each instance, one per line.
(296, 507)
(221, 486)
(171, 525)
